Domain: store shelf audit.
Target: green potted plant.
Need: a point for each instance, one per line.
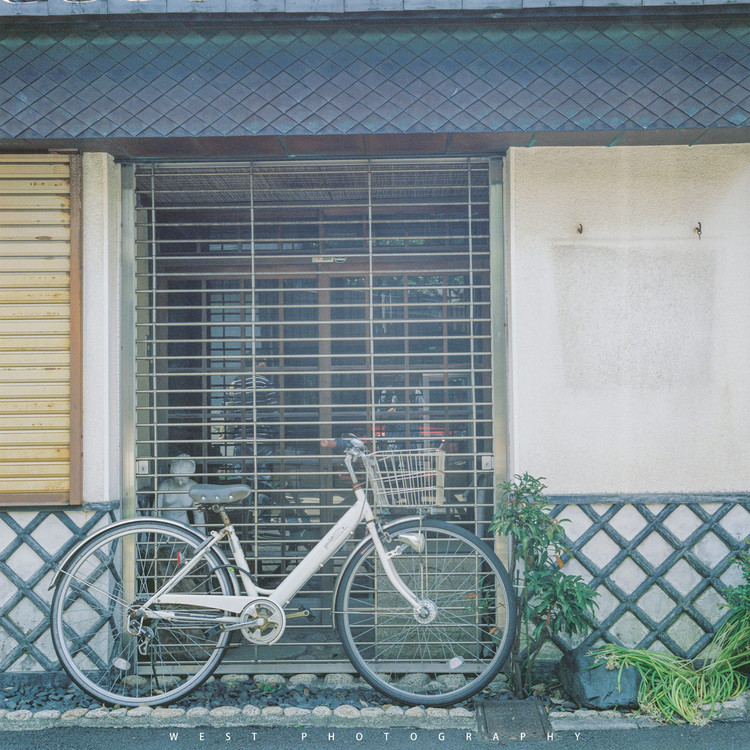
(550, 601)
(674, 689)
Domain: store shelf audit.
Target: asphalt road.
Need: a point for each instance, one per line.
(717, 736)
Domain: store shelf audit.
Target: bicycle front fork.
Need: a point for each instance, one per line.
(415, 541)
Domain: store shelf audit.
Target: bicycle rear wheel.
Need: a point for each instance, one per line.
(108, 650)
(456, 643)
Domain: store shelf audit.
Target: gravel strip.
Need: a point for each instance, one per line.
(275, 700)
(236, 690)
(236, 699)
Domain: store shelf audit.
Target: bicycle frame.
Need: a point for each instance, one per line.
(293, 583)
(159, 629)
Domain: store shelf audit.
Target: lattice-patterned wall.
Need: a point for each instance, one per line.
(31, 544)
(659, 567)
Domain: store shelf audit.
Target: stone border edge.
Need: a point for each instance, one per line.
(232, 716)
(737, 709)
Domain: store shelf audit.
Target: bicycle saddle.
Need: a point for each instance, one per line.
(218, 494)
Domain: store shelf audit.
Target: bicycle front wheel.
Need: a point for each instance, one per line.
(450, 647)
(114, 653)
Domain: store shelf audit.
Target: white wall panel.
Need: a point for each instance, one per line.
(629, 354)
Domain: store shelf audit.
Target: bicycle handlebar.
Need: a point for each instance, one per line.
(352, 446)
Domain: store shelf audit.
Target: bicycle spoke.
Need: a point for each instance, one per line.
(108, 645)
(448, 649)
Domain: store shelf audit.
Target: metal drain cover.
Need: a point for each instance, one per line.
(512, 720)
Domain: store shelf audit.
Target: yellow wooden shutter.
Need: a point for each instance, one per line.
(39, 329)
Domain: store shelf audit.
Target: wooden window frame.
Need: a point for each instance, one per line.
(74, 496)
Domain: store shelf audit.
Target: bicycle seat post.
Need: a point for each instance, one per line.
(222, 514)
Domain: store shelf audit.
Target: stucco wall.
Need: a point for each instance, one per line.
(628, 341)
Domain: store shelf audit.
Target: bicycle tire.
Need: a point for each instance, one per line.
(89, 615)
(464, 646)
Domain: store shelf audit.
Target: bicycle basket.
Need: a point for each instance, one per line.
(406, 478)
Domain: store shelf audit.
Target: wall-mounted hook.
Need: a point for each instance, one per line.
(579, 228)
(698, 230)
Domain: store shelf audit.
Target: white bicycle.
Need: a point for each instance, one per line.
(144, 610)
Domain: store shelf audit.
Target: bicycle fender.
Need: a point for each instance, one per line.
(59, 569)
(359, 548)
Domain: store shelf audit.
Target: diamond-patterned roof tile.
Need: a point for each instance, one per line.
(538, 76)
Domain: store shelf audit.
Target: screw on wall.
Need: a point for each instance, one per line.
(579, 228)
(698, 230)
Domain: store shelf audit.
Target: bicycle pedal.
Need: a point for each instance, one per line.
(301, 612)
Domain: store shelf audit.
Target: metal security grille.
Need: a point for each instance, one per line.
(278, 304)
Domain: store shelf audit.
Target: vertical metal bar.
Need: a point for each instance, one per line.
(253, 292)
(253, 349)
(371, 318)
(370, 291)
(498, 338)
(127, 342)
(254, 329)
(472, 352)
(205, 376)
(153, 343)
(128, 372)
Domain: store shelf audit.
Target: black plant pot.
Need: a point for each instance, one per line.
(592, 685)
